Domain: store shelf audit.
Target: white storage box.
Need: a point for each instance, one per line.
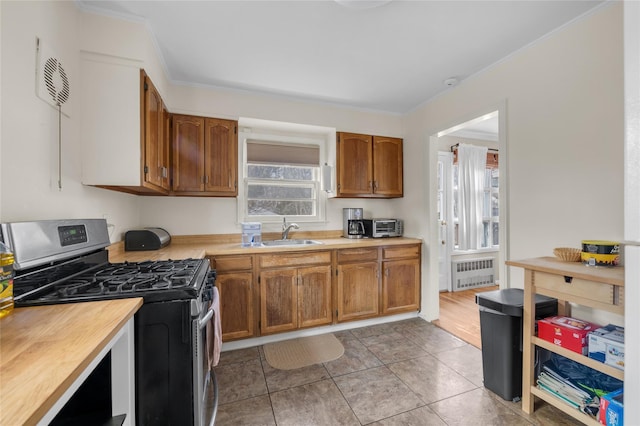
(606, 344)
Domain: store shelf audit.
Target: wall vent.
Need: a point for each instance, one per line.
(52, 80)
(473, 273)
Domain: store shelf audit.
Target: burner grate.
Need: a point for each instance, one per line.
(158, 279)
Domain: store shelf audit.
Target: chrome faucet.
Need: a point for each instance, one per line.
(286, 228)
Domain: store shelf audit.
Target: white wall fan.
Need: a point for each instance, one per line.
(53, 87)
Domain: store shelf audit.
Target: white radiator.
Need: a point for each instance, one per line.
(473, 273)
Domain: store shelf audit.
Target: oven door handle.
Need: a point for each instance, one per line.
(203, 322)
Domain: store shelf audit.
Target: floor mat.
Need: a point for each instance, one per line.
(303, 351)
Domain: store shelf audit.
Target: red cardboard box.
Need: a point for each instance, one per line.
(570, 333)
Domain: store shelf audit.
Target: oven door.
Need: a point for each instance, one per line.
(205, 383)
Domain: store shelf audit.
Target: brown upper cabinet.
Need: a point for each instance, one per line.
(205, 156)
(369, 166)
(124, 128)
(155, 137)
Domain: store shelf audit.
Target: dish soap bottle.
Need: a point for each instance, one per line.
(6, 280)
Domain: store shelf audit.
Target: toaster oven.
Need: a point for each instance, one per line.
(383, 228)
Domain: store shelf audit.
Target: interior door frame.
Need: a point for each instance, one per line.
(448, 215)
(432, 158)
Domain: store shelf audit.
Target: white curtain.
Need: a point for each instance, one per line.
(472, 162)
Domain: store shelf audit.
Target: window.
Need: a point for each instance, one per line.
(282, 179)
(490, 206)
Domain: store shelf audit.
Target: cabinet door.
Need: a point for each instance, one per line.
(354, 155)
(387, 166)
(357, 291)
(278, 300)
(166, 149)
(221, 157)
(236, 305)
(400, 286)
(155, 156)
(188, 153)
(314, 296)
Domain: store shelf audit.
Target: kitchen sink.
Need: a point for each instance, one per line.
(293, 242)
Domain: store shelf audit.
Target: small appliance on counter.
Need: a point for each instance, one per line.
(146, 239)
(383, 228)
(352, 223)
(251, 234)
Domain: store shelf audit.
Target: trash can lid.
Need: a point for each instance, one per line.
(509, 300)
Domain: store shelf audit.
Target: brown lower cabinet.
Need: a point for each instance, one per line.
(297, 295)
(237, 296)
(400, 279)
(284, 291)
(358, 284)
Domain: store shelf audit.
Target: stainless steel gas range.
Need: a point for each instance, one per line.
(66, 261)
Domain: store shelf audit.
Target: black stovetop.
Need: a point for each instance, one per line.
(83, 281)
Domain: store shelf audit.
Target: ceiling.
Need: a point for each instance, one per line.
(482, 128)
(390, 58)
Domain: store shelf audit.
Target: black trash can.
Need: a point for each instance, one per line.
(501, 337)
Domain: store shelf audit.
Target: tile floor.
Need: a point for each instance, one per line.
(403, 373)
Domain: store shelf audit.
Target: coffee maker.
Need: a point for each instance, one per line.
(352, 223)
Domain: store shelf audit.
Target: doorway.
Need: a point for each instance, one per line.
(482, 130)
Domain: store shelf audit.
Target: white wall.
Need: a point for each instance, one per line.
(29, 133)
(564, 133)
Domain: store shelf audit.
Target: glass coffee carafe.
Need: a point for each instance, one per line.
(353, 224)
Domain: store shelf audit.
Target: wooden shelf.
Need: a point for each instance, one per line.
(563, 406)
(574, 356)
(598, 288)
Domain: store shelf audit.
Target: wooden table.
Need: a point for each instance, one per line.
(46, 352)
(595, 287)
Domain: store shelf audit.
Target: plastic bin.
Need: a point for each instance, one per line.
(501, 337)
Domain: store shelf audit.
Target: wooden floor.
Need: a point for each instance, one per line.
(460, 316)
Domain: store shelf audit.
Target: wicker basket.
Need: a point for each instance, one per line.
(567, 254)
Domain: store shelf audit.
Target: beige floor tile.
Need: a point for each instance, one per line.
(465, 360)
(278, 380)
(392, 347)
(476, 408)
(240, 380)
(430, 379)
(433, 339)
(253, 411)
(239, 355)
(376, 393)
(422, 416)
(319, 403)
(356, 357)
(372, 330)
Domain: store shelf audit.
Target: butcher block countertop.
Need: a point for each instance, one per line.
(44, 349)
(199, 246)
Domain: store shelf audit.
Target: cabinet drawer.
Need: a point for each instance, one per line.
(294, 259)
(357, 254)
(400, 252)
(577, 287)
(232, 263)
